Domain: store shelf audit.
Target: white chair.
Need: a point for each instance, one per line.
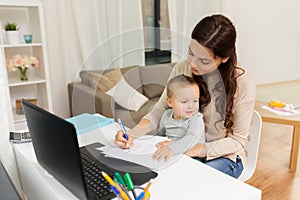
(252, 147)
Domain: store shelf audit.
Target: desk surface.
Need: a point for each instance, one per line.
(185, 179)
(7, 189)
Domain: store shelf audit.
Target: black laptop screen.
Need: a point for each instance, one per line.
(56, 147)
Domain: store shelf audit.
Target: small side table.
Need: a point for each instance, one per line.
(294, 121)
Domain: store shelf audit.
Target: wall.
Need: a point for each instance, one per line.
(268, 43)
(284, 91)
(184, 15)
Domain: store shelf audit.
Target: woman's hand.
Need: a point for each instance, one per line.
(122, 142)
(199, 150)
(163, 153)
(143, 127)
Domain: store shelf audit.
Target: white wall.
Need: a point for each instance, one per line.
(184, 15)
(268, 43)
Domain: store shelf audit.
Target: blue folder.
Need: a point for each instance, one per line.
(87, 122)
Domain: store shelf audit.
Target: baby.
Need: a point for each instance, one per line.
(182, 124)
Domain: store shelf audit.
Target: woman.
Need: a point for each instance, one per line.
(226, 102)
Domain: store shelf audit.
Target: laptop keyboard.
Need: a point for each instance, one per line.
(95, 181)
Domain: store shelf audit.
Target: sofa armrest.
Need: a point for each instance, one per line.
(84, 99)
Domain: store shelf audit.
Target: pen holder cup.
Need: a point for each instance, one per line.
(138, 192)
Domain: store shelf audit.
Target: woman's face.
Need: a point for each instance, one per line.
(202, 59)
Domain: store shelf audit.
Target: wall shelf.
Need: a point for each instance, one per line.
(13, 82)
(21, 45)
(29, 15)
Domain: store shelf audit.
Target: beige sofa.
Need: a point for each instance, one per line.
(93, 94)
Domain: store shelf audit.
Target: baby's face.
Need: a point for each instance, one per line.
(185, 102)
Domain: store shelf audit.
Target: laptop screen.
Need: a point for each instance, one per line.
(56, 147)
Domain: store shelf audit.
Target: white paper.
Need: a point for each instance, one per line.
(141, 152)
(290, 112)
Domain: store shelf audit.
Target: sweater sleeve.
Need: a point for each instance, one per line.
(161, 129)
(242, 111)
(194, 134)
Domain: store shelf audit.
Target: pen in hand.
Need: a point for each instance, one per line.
(123, 129)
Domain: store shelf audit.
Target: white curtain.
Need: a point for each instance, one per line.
(184, 15)
(93, 34)
(7, 157)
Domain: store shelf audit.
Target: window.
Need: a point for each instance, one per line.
(157, 31)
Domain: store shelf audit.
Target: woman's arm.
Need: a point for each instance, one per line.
(242, 111)
(233, 142)
(147, 124)
(151, 121)
(199, 150)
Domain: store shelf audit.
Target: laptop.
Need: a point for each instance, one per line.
(56, 147)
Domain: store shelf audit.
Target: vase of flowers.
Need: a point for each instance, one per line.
(22, 63)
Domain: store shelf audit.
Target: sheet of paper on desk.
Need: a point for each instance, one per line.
(141, 152)
(282, 112)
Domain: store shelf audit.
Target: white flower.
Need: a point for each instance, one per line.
(18, 61)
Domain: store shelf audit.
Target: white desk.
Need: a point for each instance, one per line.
(185, 179)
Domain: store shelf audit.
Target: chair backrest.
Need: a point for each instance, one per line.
(252, 147)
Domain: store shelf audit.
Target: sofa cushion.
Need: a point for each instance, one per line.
(126, 96)
(154, 78)
(106, 81)
(131, 75)
(124, 85)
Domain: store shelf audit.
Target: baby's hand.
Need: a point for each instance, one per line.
(163, 143)
(163, 153)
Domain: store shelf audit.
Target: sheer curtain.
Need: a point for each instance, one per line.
(184, 15)
(92, 34)
(7, 157)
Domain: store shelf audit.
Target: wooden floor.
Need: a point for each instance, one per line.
(272, 174)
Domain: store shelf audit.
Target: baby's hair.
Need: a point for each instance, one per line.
(180, 81)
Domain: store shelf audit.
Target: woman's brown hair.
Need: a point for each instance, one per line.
(217, 33)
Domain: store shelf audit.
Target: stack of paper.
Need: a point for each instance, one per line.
(141, 152)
